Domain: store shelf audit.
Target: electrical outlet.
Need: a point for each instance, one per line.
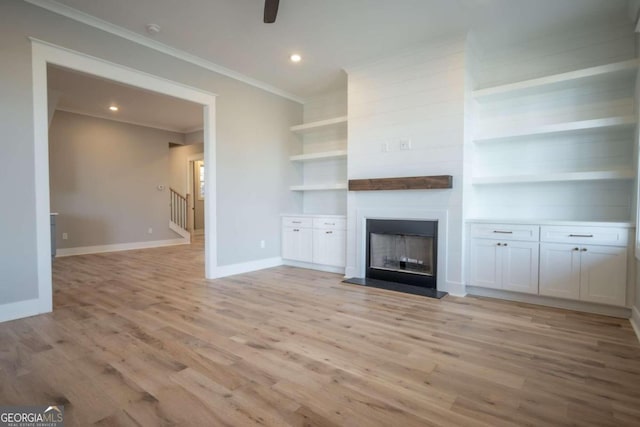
(150, 230)
(405, 144)
(65, 236)
(386, 147)
(263, 244)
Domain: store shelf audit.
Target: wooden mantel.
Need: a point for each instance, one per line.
(408, 183)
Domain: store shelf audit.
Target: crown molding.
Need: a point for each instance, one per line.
(116, 30)
(128, 122)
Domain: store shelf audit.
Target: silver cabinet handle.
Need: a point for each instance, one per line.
(329, 223)
(328, 232)
(503, 232)
(296, 222)
(580, 235)
(296, 230)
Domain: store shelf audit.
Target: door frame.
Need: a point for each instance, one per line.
(44, 53)
(191, 159)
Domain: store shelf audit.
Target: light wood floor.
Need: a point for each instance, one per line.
(136, 338)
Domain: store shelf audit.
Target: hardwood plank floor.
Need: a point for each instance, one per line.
(138, 338)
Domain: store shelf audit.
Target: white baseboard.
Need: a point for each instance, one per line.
(587, 307)
(247, 267)
(456, 289)
(181, 231)
(85, 250)
(20, 309)
(635, 321)
(311, 266)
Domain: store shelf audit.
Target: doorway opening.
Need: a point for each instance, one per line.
(43, 55)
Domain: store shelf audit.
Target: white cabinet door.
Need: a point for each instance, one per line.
(520, 267)
(297, 244)
(560, 270)
(603, 274)
(486, 265)
(329, 247)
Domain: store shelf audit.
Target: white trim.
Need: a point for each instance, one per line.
(113, 119)
(181, 231)
(44, 53)
(20, 309)
(99, 249)
(587, 307)
(247, 267)
(108, 27)
(311, 266)
(192, 212)
(635, 321)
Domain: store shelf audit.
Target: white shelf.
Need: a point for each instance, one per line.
(609, 123)
(319, 125)
(326, 155)
(613, 71)
(624, 174)
(319, 187)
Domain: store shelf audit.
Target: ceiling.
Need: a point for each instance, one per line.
(332, 34)
(90, 95)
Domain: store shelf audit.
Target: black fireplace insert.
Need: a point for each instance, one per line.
(402, 251)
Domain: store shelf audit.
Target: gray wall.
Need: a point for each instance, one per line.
(178, 158)
(103, 179)
(253, 170)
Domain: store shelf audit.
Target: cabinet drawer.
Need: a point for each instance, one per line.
(610, 236)
(297, 221)
(330, 223)
(528, 233)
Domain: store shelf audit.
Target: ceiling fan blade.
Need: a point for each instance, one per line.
(270, 11)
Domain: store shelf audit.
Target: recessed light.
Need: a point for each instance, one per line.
(295, 58)
(113, 108)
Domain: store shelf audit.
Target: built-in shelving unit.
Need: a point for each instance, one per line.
(325, 155)
(323, 159)
(319, 125)
(616, 70)
(559, 146)
(608, 123)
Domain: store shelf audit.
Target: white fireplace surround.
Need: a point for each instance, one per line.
(442, 216)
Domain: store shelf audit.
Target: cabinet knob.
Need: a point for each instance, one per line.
(504, 244)
(576, 249)
(296, 230)
(328, 232)
(584, 249)
(499, 244)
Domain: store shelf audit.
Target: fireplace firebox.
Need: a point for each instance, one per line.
(402, 251)
(402, 256)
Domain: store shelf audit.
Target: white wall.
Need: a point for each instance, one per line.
(416, 95)
(103, 178)
(253, 141)
(322, 107)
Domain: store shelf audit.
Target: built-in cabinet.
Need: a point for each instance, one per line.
(576, 262)
(317, 241)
